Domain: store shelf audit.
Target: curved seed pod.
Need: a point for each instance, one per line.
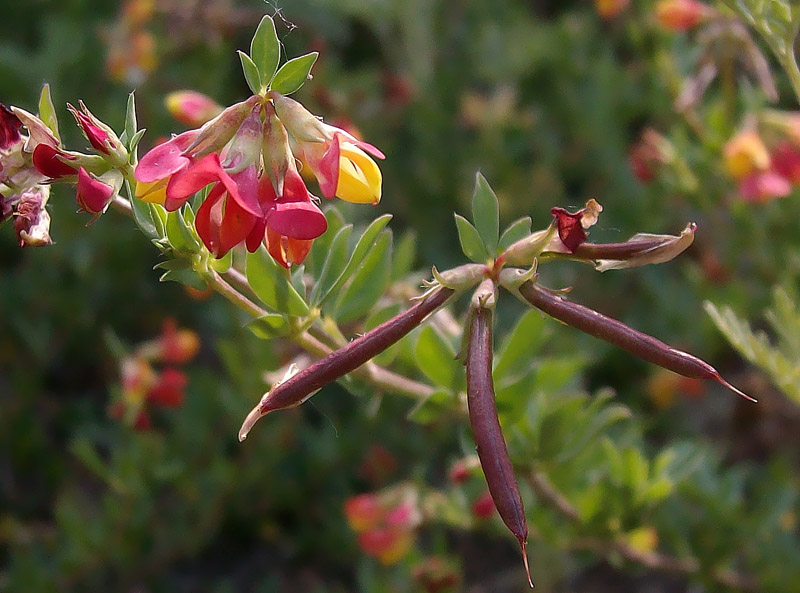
(486, 430)
(615, 332)
(299, 387)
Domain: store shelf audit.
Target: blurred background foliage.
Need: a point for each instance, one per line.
(548, 101)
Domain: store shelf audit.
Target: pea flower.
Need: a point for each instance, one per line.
(341, 163)
(191, 108)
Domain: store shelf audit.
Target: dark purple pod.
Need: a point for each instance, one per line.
(299, 387)
(491, 446)
(615, 332)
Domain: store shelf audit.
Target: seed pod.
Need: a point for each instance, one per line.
(296, 389)
(486, 430)
(615, 332)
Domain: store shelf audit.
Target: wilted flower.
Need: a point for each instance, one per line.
(31, 220)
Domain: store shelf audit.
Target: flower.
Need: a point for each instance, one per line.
(385, 522)
(177, 346)
(483, 507)
(96, 193)
(168, 388)
(192, 108)
(745, 153)
(100, 136)
(608, 9)
(340, 162)
(763, 186)
(682, 15)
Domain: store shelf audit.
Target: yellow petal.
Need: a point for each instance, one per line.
(359, 177)
(154, 192)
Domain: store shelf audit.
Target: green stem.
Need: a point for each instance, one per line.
(789, 63)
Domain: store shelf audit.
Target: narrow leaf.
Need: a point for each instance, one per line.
(522, 345)
(270, 326)
(293, 74)
(180, 236)
(360, 252)
(486, 213)
(471, 243)
(436, 358)
(265, 49)
(516, 231)
(131, 126)
(333, 267)
(186, 277)
(271, 285)
(404, 254)
(251, 74)
(47, 112)
(368, 283)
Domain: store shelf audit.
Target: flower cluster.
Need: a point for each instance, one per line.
(385, 522)
(144, 386)
(249, 154)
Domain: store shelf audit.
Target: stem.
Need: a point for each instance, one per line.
(789, 63)
(216, 282)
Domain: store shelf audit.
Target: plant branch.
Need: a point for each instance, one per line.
(547, 493)
(221, 286)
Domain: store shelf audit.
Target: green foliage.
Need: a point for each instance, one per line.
(780, 361)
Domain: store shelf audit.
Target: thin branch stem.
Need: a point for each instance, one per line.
(221, 286)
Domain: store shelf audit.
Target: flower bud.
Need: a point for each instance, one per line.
(100, 136)
(277, 154)
(245, 147)
(217, 133)
(460, 278)
(301, 123)
(9, 128)
(192, 108)
(96, 193)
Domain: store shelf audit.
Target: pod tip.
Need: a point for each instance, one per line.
(524, 549)
(718, 378)
(249, 421)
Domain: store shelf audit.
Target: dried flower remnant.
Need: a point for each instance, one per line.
(617, 333)
(297, 388)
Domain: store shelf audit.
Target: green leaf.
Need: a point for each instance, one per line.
(131, 127)
(471, 243)
(516, 231)
(432, 407)
(47, 112)
(222, 264)
(134, 142)
(404, 254)
(271, 284)
(270, 326)
(293, 74)
(187, 277)
(359, 253)
(486, 213)
(251, 74)
(180, 236)
(320, 248)
(522, 345)
(436, 358)
(368, 283)
(265, 49)
(333, 267)
(180, 263)
(145, 216)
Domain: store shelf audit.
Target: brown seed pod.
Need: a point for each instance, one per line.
(491, 446)
(615, 332)
(296, 389)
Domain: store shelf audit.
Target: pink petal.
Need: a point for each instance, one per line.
(369, 148)
(247, 195)
(165, 159)
(764, 186)
(326, 167)
(294, 188)
(93, 195)
(256, 236)
(297, 220)
(186, 182)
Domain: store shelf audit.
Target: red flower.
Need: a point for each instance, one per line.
(168, 389)
(9, 127)
(483, 507)
(94, 195)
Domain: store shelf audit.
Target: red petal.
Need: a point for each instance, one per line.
(570, 230)
(46, 161)
(256, 236)
(93, 195)
(298, 220)
(298, 249)
(209, 218)
(9, 127)
(276, 247)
